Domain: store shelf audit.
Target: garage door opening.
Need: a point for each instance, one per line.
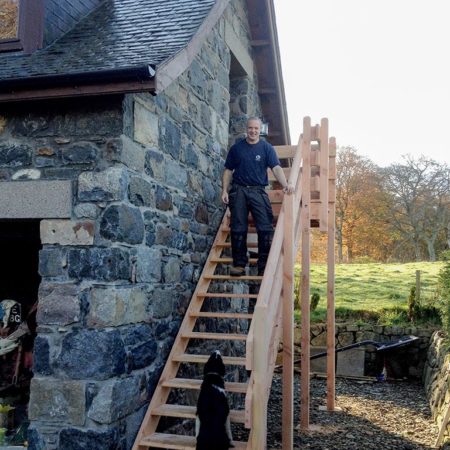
(19, 284)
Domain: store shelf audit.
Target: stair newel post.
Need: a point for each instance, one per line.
(331, 332)
(305, 291)
(288, 323)
(260, 364)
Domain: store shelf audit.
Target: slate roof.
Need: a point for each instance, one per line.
(119, 34)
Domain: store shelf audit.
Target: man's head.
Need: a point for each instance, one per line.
(253, 130)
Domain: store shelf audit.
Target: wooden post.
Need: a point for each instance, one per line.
(288, 324)
(418, 287)
(331, 355)
(306, 225)
(324, 186)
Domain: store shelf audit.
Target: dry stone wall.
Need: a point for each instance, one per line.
(403, 362)
(436, 379)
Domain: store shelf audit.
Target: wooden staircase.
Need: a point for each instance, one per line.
(263, 333)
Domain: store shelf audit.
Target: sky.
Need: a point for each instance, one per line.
(378, 70)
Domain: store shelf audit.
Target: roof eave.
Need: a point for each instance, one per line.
(268, 66)
(104, 82)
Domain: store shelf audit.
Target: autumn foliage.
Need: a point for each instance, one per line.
(397, 213)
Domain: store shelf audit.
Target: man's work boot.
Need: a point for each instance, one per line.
(264, 243)
(237, 271)
(239, 253)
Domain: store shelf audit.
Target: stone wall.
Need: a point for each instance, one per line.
(403, 362)
(118, 272)
(436, 379)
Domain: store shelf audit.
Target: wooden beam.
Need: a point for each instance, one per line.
(323, 137)
(331, 326)
(288, 324)
(305, 226)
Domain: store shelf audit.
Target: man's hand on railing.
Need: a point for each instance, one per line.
(288, 189)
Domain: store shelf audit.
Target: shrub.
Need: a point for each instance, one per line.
(315, 297)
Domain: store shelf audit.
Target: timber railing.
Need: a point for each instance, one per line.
(276, 293)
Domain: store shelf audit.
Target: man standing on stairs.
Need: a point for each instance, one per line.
(246, 170)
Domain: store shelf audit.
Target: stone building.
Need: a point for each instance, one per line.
(115, 118)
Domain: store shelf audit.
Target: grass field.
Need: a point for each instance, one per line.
(372, 291)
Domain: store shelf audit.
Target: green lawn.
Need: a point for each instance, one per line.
(366, 291)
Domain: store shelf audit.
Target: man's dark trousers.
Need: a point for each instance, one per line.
(253, 199)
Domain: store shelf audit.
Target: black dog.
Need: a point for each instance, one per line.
(212, 425)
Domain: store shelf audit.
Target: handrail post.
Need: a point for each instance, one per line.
(260, 363)
(288, 324)
(331, 355)
(305, 225)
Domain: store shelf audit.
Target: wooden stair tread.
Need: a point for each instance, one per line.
(228, 245)
(177, 442)
(188, 412)
(230, 260)
(186, 383)
(225, 295)
(217, 315)
(217, 336)
(201, 359)
(231, 277)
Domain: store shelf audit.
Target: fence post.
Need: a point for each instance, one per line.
(417, 287)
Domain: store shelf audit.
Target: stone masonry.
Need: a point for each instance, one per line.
(436, 379)
(403, 362)
(118, 272)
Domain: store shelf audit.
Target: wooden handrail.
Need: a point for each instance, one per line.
(266, 324)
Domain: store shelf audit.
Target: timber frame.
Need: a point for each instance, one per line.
(310, 167)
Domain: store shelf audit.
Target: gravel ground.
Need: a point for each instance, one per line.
(375, 415)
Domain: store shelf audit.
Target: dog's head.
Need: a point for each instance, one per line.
(214, 364)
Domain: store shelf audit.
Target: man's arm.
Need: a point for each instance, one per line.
(281, 178)
(226, 180)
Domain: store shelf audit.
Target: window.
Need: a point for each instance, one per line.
(21, 25)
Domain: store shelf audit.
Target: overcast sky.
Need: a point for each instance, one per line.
(379, 70)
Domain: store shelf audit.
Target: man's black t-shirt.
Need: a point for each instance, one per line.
(250, 162)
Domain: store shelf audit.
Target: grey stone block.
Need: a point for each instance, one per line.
(116, 399)
(14, 154)
(107, 185)
(116, 306)
(106, 264)
(58, 304)
(75, 439)
(148, 265)
(141, 192)
(58, 401)
(91, 354)
(80, 153)
(35, 199)
(122, 223)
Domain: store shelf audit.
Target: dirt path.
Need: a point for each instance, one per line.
(382, 416)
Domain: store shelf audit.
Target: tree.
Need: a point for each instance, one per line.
(420, 194)
(360, 207)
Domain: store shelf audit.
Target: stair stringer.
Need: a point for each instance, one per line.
(161, 393)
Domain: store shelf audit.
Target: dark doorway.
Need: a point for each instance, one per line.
(19, 283)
